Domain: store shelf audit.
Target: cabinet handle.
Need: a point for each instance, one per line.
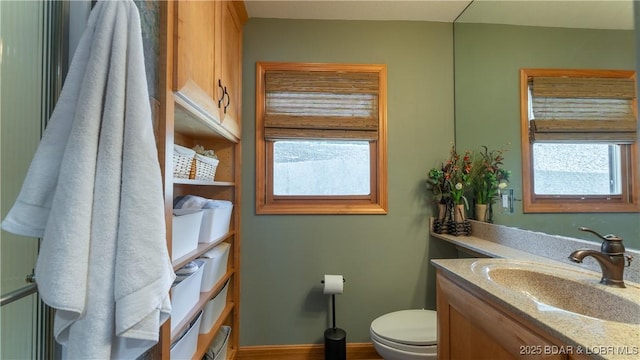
(223, 91)
(228, 100)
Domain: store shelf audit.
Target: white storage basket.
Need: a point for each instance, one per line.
(213, 310)
(187, 344)
(215, 221)
(182, 161)
(185, 295)
(215, 265)
(204, 168)
(185, 232)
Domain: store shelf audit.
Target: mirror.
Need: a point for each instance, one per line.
(493, 40)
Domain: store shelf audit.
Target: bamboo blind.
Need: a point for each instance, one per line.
(582, 87)
(580, 109)
(321, 105)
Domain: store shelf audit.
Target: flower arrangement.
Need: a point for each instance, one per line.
(438, 185)
(459, 175)
(488, 175)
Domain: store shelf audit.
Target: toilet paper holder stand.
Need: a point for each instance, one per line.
(335, 339)
(333, 305)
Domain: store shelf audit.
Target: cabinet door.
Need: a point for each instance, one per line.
(196, 56)
(470, 327)
(231, 66)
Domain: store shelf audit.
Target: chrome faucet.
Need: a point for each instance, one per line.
(610, 257)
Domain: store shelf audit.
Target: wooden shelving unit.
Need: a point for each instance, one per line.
(187, 117)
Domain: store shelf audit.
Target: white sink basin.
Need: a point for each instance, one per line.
(554, 288)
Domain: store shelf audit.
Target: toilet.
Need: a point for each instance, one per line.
(406, 335)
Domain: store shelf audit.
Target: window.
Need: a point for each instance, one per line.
(579, 141)
(320, 138)
(594, 169)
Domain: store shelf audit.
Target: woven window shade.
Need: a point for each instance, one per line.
(321, 105)
(566, 109)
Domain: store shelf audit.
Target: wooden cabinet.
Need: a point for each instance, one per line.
(473, 327)
(231, 66)
(201, 44)
(208, 41)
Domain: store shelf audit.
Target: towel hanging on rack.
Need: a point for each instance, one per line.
(93, 193)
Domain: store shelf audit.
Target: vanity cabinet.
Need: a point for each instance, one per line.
(208, 41)
(470, 326)
(201, 48)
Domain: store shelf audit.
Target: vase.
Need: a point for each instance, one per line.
(481, 212)
(442, 211)
(459, 213)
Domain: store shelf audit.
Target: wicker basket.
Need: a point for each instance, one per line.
(182, 161)
(203, 168)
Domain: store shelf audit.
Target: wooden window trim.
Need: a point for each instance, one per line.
(267, 203)
(629, 201)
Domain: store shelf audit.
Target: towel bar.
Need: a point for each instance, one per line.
(18, 294)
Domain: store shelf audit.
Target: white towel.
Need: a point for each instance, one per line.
(198, 202)
(190, 202)
(93, 193)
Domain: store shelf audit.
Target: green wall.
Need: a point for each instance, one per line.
(487, 108)
(384, 258)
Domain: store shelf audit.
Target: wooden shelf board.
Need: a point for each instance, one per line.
(202, 182)
(195, 122)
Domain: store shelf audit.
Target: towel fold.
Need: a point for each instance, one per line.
(190, 202)
(198, 202)
(186, 271)
(93, 193)
(218, 343)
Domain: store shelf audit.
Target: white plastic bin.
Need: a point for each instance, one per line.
(213, 310)
(215, 222)
(215, 265)
(185, 232)
(187, 345)
(218, 348)
(185, 295)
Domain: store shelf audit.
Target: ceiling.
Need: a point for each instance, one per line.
(607, 14)
(418, 10)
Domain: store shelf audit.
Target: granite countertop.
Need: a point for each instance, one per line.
(522, 249)
(586, 335)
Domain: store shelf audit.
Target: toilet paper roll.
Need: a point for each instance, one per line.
(333, 284)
